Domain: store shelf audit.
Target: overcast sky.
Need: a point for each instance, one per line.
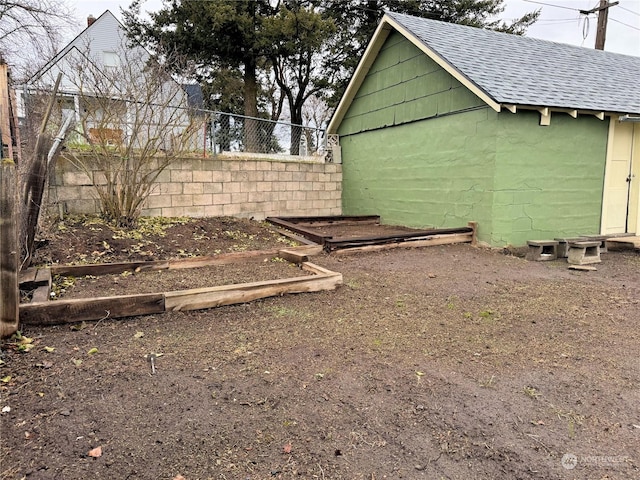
(560, 20)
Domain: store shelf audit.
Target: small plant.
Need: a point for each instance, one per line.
(61, 284)
(352, 284)
(451, 302)
(486, 314)
(488, 383)
(531, 392)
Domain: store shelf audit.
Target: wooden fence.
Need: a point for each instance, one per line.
(9, 251)
(9, 207)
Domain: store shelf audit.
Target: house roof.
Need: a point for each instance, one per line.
(508, 70)
(114, 39)
(195, 96)
(76, 43)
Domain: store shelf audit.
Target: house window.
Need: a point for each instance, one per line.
(110, 59)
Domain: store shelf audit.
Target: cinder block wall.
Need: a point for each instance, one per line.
(217, 187)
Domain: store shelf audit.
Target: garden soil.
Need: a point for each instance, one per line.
(447, 362)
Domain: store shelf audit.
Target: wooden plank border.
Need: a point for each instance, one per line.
(426, 236)
(311, 235)
(435, 236)
(116, 268)
(448, 239)
(86, 309)
(200, 298)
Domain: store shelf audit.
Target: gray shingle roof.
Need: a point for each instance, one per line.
(521, 70)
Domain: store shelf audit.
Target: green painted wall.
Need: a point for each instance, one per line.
(404, 85)
(549, 180)
(420, 174)
(420, 150)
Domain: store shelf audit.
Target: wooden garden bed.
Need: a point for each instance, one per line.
(41, 311)
(343, 234)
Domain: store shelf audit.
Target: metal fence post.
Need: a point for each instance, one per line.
(213, 134)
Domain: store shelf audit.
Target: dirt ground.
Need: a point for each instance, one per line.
(448, 362)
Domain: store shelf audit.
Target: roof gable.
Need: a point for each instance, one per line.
(105, 34)
(505, 69)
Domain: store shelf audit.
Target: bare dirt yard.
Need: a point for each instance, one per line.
(448, 362)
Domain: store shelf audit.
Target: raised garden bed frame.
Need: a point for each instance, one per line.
(41, 311)
(417, 238)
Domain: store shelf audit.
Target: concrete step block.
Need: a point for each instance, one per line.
(542, 250)
(584, 252)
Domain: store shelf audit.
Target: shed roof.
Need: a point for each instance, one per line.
(505, 69)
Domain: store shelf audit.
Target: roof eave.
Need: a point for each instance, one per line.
(573, 112)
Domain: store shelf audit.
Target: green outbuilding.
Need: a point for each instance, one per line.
(443, 124)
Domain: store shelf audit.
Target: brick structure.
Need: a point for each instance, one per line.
(199, 187)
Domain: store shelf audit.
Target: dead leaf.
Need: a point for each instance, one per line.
(287, 448)
(138, 335)
(179, 477)
(50, 349)
(25, 347)
(6, 379)
(96, 452)
(77, 362)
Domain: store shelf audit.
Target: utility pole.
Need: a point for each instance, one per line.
(603, 15)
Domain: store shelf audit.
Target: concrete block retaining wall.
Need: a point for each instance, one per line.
(218, 187)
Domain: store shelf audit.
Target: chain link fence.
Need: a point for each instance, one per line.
(237, 133)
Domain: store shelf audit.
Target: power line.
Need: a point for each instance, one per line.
(550, 5)
(630, 11)
(625, 24)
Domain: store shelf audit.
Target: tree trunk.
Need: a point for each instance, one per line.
(251, 127)
(296, 129)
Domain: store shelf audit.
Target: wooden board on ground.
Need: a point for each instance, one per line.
(83, 309)
(43, 312)
(41, 294)
(154, 265)
(200, 298)
(335, 235)
(107, 268)
(623, 242)
(448, 239)
(585, 268)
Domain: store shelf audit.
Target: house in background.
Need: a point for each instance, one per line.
(444, 124)
(108, 84)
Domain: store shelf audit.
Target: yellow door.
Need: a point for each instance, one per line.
(633, 217)
(621, 190)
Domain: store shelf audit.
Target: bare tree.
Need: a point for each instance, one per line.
(316, 114)
(131, 119)
(31, 28)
